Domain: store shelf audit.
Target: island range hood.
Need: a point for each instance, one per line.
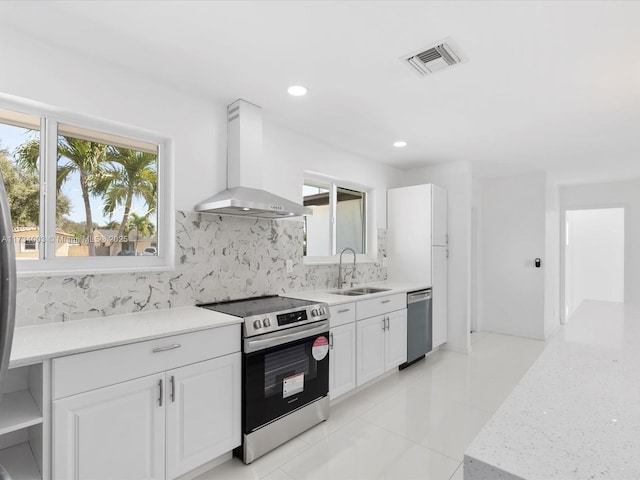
(244, 195)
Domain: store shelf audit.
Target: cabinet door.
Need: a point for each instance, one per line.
(396, 339)
(439, 295)
(439, 216)
(409, 234)
(203, 412)
(370, 348)
(111, 432)
(342, 359)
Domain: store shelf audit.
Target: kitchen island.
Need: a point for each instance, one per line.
(576, 412)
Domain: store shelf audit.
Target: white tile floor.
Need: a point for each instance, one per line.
(414, 424)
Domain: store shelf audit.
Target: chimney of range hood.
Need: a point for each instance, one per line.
(244, 195)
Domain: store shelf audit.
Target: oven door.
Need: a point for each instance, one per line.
(284, 371)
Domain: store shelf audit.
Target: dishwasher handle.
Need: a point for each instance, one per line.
(420, 296)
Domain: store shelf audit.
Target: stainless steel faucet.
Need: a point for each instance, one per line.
(341, 281)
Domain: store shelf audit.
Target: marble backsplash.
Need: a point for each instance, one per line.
(217, 258)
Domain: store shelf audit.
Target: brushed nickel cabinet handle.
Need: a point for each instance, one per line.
(161, 393)
(385, 301)
(169, 347)
(173, 389)
(344, 310)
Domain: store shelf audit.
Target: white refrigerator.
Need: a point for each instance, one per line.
(418, 245)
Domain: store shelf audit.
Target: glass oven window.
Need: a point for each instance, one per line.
(286, 363)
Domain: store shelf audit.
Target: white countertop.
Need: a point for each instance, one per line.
(576, 413)
(39, 342)
(327, 296)
(36, 343)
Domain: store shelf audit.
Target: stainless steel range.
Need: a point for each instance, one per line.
(285, 369)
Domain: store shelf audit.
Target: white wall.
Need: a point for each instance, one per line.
(614, 194)
(594, 256)
(513, 235)
(58, 78)
(456, 179)
(198, 125)
(290, 154)
(551, 258)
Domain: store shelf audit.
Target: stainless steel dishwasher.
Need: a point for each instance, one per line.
(419, 326)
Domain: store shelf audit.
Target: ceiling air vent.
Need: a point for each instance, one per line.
(442, 56)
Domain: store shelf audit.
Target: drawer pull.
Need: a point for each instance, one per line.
(169, 347)
(344, 310)
(385, 301)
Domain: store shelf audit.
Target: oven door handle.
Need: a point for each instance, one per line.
(297, 333)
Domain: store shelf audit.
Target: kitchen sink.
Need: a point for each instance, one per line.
(360, 291)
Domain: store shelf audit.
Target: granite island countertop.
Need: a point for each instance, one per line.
(575, 414)
(35, 343)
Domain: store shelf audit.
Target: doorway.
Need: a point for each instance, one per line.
(594, 257)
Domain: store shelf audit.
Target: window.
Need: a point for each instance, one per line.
(107, 189)
(30, 245)
(338, 220)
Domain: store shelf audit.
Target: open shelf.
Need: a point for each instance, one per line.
(19, 462)
(18, 410)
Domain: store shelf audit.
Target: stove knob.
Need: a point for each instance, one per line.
(323, 311)
(257, 324)
(315, 312)
(266, 322)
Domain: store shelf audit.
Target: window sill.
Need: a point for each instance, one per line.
(360, 259)
(58, 268)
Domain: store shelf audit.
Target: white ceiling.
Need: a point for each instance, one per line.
(548, 85)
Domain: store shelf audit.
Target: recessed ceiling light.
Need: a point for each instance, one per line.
(245, 209)
(297, 90)
(400, 144)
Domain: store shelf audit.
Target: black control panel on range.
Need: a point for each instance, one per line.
(292, 317)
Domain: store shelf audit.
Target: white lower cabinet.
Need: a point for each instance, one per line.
(370, 348)
(342, 360)
(112, 432)
(381, 344)
(158, 426)
(203, 413)
(395, 348)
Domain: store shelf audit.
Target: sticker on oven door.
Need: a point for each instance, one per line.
(320, 348)
(292, 385)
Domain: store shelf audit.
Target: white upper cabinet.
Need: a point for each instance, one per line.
(409, 234)
(416, 221)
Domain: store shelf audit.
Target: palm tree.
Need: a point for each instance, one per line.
(112, 225)
(129, 174)
(74, 155)
(143, 226)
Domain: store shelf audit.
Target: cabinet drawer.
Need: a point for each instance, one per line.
(342, 314)
(380, 305)
(99, 368)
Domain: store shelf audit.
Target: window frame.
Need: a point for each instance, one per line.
(48, 263)
(370, 238)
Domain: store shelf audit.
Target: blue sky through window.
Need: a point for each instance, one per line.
(12, 137)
